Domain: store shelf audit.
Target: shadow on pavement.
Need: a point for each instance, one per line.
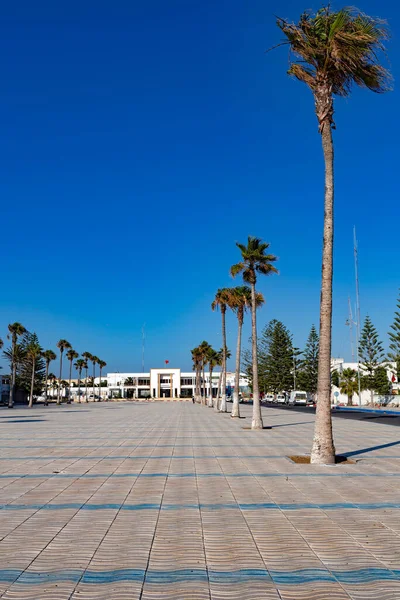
(371, 449)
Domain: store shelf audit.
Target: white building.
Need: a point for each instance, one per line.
(166, 383)
(339, 365)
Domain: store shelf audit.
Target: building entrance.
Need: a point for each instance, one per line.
(166, 393)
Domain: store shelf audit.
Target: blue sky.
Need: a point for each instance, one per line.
(140, 140)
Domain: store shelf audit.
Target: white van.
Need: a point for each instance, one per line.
(298, 398)
(281, 398)
(270, 397)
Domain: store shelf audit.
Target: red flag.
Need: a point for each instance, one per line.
(166, 362)
(393, 378)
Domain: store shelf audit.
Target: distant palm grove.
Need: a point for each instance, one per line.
(30, 369)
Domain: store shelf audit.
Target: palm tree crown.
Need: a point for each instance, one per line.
(48, 356)
(80, 365)
(63, 345)
(337, 49)
(16, 329)
(241, 300)
(254, 260)
(71, 354)
(222, 298)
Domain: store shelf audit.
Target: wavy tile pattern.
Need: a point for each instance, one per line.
(148, 501)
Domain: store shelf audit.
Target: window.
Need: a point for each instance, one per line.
(186, 381)
(143, 381)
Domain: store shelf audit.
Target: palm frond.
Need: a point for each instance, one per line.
(338, 50)
(236, 269)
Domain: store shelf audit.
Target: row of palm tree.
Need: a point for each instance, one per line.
(34, 351)
(238, 299)
(330, 52)
(254, 261)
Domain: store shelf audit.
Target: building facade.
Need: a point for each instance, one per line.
(339, 365)
(167, 383)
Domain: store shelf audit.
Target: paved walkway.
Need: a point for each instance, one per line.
(148, 501)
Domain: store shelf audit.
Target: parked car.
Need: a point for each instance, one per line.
(269, 397)
(298, 398)
(281, 398)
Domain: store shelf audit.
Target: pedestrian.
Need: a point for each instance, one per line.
(193, 399)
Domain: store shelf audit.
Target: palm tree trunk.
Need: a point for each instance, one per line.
(323, 450)
(235, 405)
(203, 399)
(100, 386)
(32, 383)
(69, 387)
(45, 383)
(59, 381)
(210, 395)
(198, 383)
(13, 373)
(257, 422)
(94, 371)
(223, 397)
(216, 405)
(86, 398)
(79, 385)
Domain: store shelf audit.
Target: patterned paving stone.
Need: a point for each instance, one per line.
(154, 500)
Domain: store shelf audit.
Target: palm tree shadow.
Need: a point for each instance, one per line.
(290, 424)
(371, 449)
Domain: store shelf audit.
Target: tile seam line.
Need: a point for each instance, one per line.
(347, 533)
(286, 516)
(109, 527)
(202, 525)
(245, 521)
(40, 508)
(67, 523)
(155, 526)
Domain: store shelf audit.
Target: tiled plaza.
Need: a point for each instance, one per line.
(170, 500)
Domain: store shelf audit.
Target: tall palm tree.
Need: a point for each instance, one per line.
(213, 361)
(48, 356)
(221, 300)
(95, 361)
(196, 358)
(101, 364)
(220, 361)
(204, 349)
(241, 301)
(33, 352)
(254, 261)
(53, 382)
(1, 343)
(335, 50)
(16, 330)
(61, 345)
(88, 357)
(349, 384)
(79, 366)
(71, 355)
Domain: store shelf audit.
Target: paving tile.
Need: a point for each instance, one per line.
(170, 500)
